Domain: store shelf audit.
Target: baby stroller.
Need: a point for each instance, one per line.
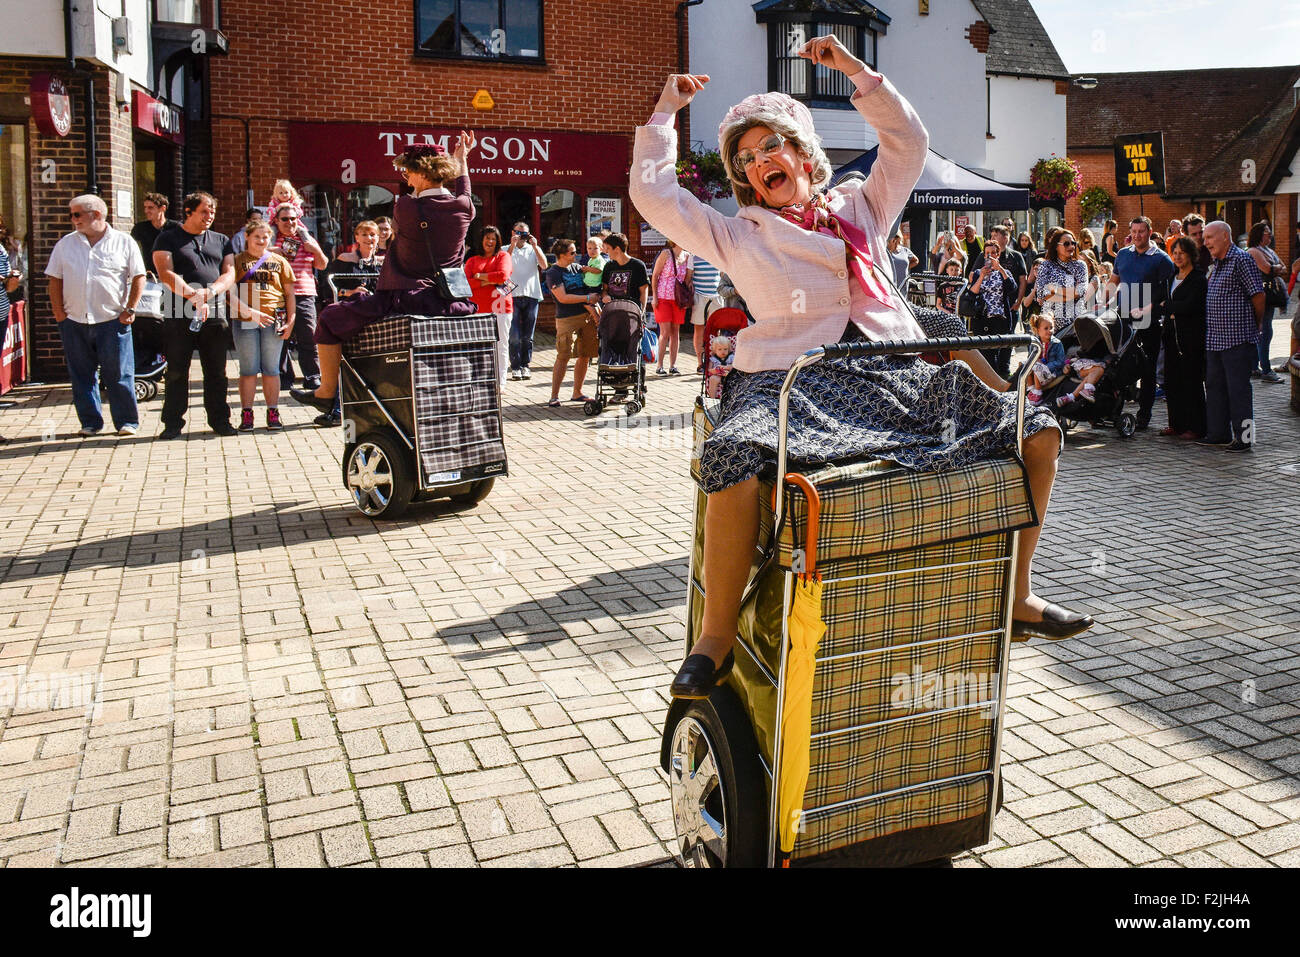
(620, 369)
(720, 347)
(147, 344)
(150, 356)
(1101, 337)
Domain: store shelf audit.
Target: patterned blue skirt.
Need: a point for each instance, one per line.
(900, 408)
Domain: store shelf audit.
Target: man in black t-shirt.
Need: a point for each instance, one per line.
(146, 232)
(624, 277)
(571, 322)
(197, 266)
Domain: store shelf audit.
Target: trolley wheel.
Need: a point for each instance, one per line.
(141, 390)
(379, 474)
(474, 492)
(632, 407)
(718, 793)
(592, 407)
(1126, 425)
(153, 389)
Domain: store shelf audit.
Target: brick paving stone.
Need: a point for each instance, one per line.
(481, 676)
(1274, 840)
(1024, 855)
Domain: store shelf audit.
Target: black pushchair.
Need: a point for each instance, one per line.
(150, 356)
(1103, 337)
(147, 345)
(620, 368)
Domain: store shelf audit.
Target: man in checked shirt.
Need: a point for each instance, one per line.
(1234, 314)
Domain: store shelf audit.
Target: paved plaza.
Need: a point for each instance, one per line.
(209, 657)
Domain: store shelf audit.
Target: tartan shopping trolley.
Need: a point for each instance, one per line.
(421, 404)
(896, 759)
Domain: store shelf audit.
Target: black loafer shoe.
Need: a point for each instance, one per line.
(697, 677)
(1057, 623)
(308, 397)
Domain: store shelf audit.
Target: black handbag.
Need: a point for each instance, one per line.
(450, 282)
(1275, 293)
(971, 306)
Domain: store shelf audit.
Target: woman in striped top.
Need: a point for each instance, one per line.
(705, 284)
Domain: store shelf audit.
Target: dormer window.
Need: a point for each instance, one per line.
(792, 23)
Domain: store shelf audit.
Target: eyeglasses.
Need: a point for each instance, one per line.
(287, 219)
(770, 144)
(1067, 242)
(77, 214)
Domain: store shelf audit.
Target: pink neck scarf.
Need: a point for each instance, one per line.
(816, 216)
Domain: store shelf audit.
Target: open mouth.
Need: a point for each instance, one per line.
(773, 179)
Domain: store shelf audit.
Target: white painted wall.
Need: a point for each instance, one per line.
(928, 58)
(728, 45)
(1027, 119)
(1290, 184)
(35, 28)
(31, 28)
(932, 63)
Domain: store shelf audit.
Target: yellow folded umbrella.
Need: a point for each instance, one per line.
(806, 629)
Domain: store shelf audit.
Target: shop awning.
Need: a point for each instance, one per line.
(945, 185)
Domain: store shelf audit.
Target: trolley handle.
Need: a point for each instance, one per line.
(841, 350)
(366, 277)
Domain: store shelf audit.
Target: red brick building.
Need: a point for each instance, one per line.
(43, 170)
(552, 88)
(1230, 139)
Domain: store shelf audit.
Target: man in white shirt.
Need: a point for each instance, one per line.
(527, 263)
(96, 277)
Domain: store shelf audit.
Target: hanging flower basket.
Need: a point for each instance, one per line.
(703, 175)
(1056, 177)
(1094, 202)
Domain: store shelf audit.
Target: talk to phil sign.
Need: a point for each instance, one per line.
(1139, 163)
(346, 153)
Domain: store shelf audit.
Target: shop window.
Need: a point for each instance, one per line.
(13, 190)
(368, 202)
(481, 29)
(178, 11)
(477, 225)
(561, 218)
(604, 210)
(322, 216)
(818, 85)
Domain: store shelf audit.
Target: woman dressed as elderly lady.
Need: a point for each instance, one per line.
(804, 259)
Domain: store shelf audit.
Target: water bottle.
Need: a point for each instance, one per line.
(196, 324)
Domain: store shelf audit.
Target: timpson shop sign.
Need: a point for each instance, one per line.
(362, 153)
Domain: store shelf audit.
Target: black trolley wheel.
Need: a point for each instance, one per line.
(592, 407)
(379, 474)
(716, 782)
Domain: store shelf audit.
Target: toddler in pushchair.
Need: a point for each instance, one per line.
(620, 368)
(1101, 373)
(720, 339)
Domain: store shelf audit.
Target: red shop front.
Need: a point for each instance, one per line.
(563, 184)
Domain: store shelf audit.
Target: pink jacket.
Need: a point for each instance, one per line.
(796, 283)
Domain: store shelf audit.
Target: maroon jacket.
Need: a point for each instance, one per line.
(444, 219)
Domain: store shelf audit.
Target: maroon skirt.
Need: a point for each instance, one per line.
(342, 321)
